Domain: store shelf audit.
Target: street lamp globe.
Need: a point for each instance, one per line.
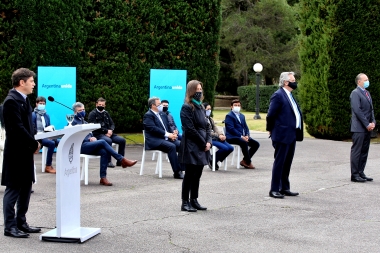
(258, 67)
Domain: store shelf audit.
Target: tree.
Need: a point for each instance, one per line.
(258, 31)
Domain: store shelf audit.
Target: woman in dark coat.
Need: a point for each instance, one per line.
(196, 141)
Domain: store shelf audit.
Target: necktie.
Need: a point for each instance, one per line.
(159, 117)
(296, 110)
(367, 94)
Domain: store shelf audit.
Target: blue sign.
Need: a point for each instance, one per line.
(169, 85)
(59, 83)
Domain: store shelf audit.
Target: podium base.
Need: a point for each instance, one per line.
(76, 235)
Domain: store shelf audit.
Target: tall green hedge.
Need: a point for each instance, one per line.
(247, 96)
(113, 44)
(339, 41)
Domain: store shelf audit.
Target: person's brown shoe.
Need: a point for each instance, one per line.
(50, 169)
(244, 164)
(104, 181)
(127, 163)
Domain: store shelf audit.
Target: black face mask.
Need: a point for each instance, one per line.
(100, 108)
(197, 96)
(165, 109)
(292, 85)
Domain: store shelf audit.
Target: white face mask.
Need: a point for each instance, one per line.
(236, 109)
(160, 107)
(208, 113)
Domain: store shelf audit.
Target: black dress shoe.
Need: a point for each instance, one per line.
(194, 203)
(178, 175)
(186, 206)
(358, 179)
(14, 232)
(276, 195)
(366, 178)
(25, 228)
(110, 165)
(289, 193)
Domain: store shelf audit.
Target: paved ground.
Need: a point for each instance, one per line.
(142, 213)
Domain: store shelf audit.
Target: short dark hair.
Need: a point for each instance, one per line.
(205, 104)
(21, 74)
(40, 99)
(235, 101)
(164, 101)
(100, 100)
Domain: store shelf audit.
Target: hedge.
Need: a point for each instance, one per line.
(247, 96)
(337, 43)
(113, 44)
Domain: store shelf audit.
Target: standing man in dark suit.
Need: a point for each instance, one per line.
(158, 134)
(285, 124)
(362, 123)
(237, 132)
(18, 164)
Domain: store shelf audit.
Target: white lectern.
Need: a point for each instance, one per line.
(68, 185)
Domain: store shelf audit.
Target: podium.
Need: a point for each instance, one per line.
(68, 227)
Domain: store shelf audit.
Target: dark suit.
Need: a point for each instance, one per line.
(234, 130)
(362, 115)
(18, 164)
(155, 137)
(281, 122)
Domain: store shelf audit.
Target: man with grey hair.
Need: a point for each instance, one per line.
(93, 146)
(362, 123)
(159, 136)
(285, 126)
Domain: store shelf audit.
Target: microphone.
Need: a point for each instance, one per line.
(51, 99)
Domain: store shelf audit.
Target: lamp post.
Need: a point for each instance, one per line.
(257, 68)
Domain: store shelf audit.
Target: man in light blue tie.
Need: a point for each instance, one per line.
(285, 126)
(159, 136)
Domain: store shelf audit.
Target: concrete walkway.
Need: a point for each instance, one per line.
(142, 213)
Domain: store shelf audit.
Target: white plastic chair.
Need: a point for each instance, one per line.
(214, 149)
(236, 152)
(2, 143)
(86, 161)
(159, 160)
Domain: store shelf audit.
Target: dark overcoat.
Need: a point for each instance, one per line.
(196, 134)
(20, 145)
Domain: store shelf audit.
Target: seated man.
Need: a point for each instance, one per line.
(172, 125)
(237, 132)
(93, 146)
(218, 140)
(41, 120)
(101, 116)
(158, 134)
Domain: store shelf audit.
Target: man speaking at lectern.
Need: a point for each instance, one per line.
(20, 145)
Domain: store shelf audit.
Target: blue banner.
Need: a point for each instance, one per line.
(169, 85)
(59, 83)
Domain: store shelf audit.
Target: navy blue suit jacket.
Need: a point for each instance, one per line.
(281, 119)
(154, 131)
(234, 128)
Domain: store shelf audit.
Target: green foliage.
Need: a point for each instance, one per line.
(258, 31)
(113, 44)
(337, 43)
(247, 95)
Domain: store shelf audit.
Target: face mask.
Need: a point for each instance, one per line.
(165, 109)
(40, 107)
(236, 109)
(81, 114)
(293, 85)
(100, 108)
(208, 113)
(160, 107)
(366, 84)
(197, 96)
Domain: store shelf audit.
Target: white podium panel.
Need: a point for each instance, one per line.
(68, 185)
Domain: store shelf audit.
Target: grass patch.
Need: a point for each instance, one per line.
(133, 138)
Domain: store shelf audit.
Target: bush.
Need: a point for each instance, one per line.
(113, 44)
(337, 43)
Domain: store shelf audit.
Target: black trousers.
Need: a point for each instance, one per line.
(359, 152)
(247, 153)
(190, 183)
(21, 195)
(283, 158)
(171, 148)
(115, 139)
